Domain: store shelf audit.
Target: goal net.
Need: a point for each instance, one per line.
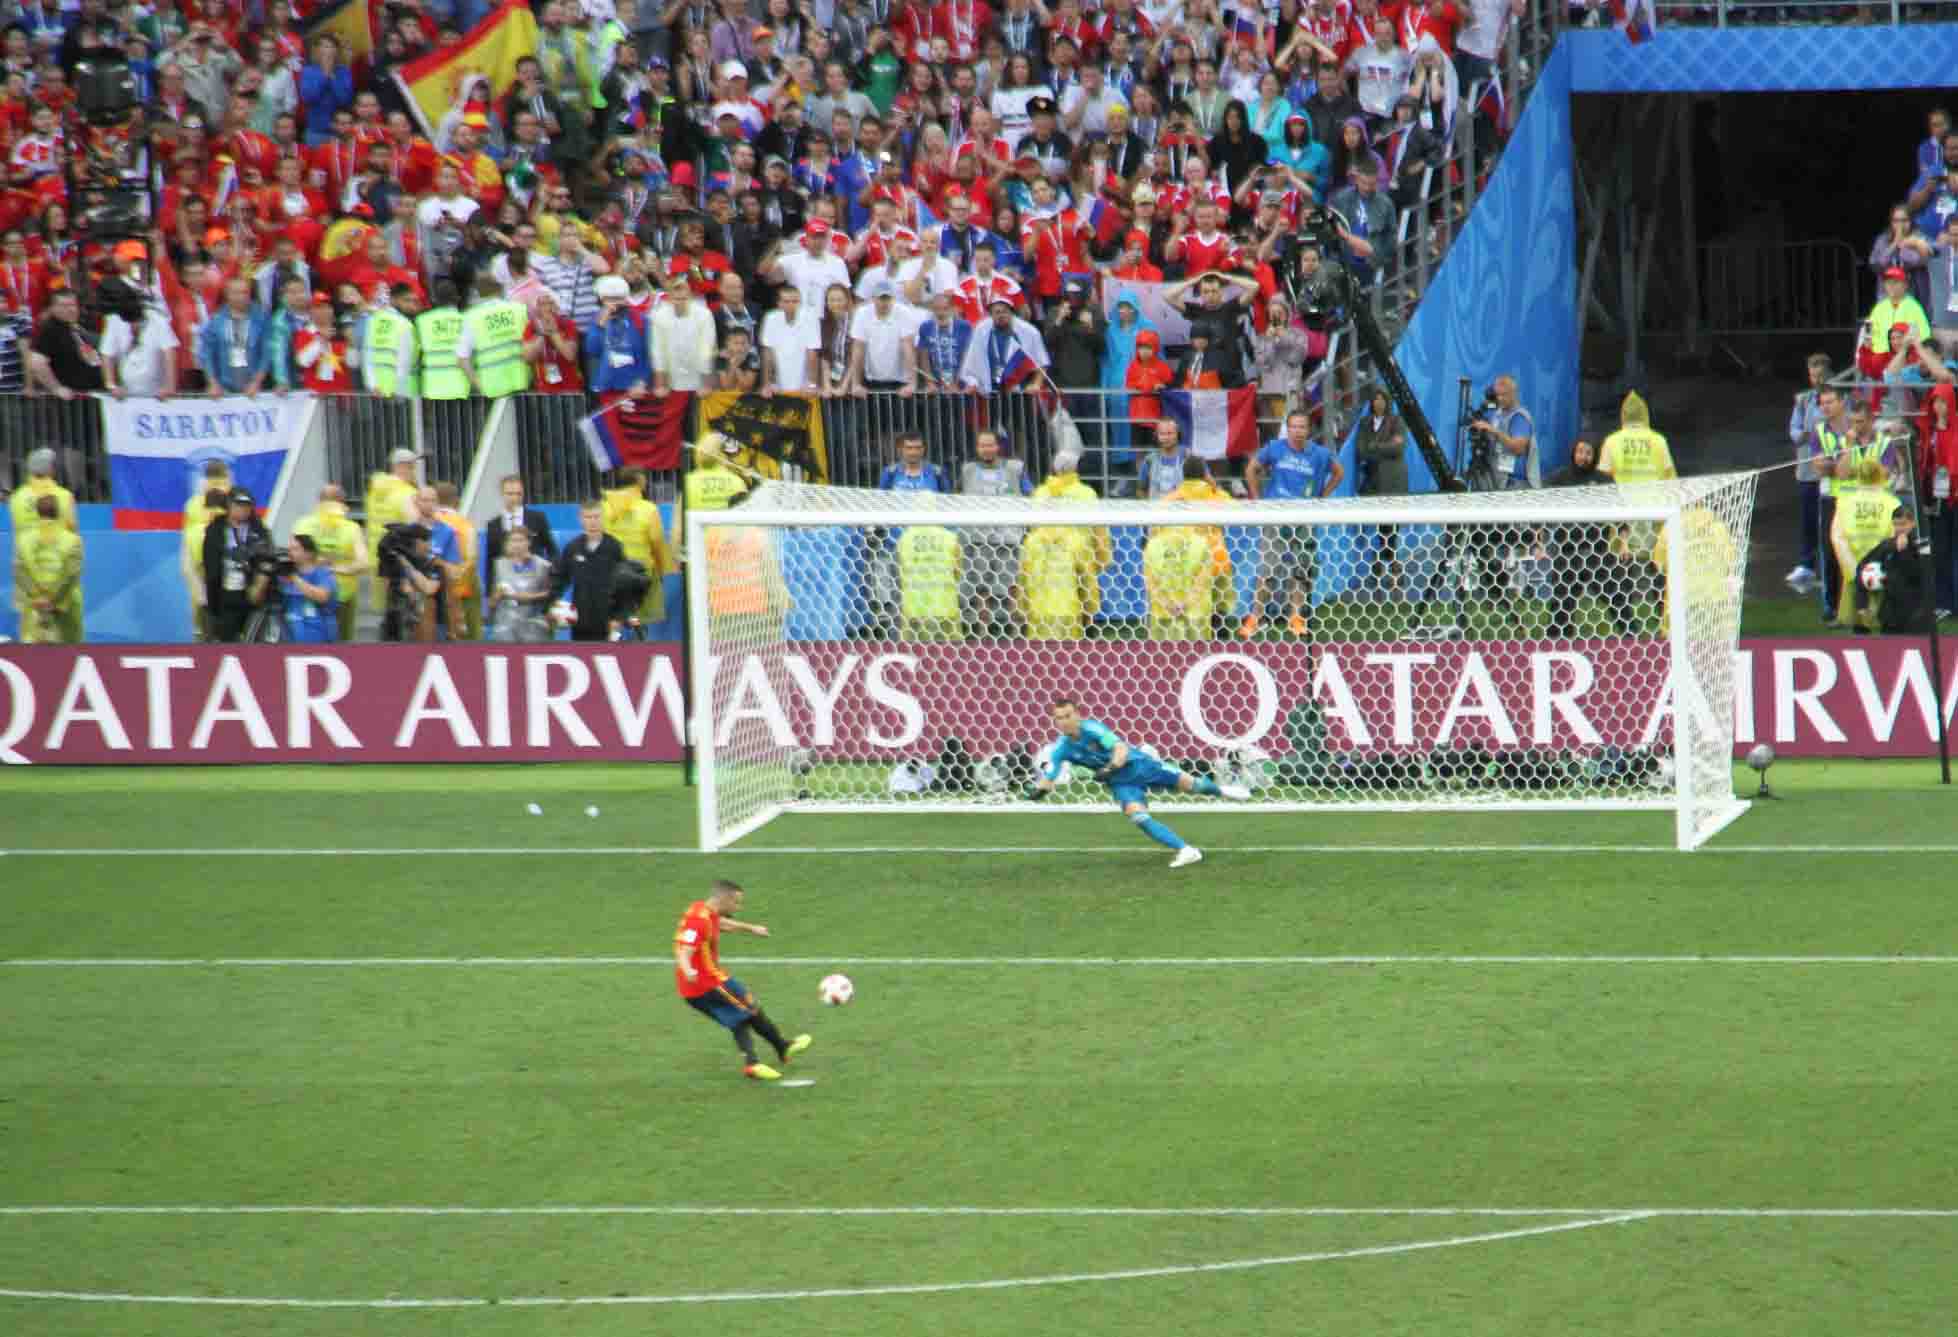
(862, 651)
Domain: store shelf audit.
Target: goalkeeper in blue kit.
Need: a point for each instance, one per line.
(1128, 773)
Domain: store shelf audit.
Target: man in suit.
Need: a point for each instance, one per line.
(515, 515)
(227, 592)
(584, 571)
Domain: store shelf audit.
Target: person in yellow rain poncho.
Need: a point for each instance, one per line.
(1865, 516)
(1635, 453)
(48, 577)
(1064, 484)
(928, 558)
(1060, 585)
(634, 521)
(390, 501)
(1179, 570)
(1712, 571)
(1196, 486)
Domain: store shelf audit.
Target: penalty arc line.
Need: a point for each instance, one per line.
(830, 1293)
(948, 962)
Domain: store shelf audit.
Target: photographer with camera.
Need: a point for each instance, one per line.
(1504, 425)
(310, 594)
(231, 550)
(412, 577)
(138, 343)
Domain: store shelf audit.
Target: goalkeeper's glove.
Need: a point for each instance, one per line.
(1034, 793)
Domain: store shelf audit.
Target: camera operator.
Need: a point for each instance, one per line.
(310, 593)
(413, 579)
(1505, 425)
(230, 546)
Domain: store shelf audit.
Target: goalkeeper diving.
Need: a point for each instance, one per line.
(1129, 774)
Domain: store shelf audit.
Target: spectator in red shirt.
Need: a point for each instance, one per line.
(1134, 260)
(557, 369)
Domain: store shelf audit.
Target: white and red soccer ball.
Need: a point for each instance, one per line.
(836, 990)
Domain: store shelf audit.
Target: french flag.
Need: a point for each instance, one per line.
(1637, 19)
(641, 432)
(1215, 423)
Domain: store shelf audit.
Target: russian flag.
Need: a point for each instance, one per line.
(1491, 103)
(1215, 423)
(1245, 27)
(158, 450)
(1637, 19)
(641, 432)
(1019, 369)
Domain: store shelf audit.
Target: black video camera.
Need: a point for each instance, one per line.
(396, 550)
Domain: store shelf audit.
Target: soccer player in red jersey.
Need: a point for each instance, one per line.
(714, 993)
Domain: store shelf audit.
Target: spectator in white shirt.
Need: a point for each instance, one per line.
(883, 343)
(812, 269)
(927, 272)
(790, 336)
(139, 348)
(1379, 71)
(1084, 106)
(681, 334)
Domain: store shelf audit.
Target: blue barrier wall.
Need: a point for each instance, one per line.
(1505, 298)
(132, 593)
(1764, 59)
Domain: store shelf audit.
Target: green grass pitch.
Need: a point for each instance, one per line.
(1415, 1087)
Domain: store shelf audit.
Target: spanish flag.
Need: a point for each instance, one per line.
(492, 50)
(352, 21)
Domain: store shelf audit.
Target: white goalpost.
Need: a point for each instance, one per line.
(860, 651)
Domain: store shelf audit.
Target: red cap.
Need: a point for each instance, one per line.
(1896, 272)
(815, 227)
(682, 174)
(1148, 339)
(1135, 236)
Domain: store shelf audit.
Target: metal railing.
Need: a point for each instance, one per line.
(1434, 213)
(72, 427)
(1787, 288)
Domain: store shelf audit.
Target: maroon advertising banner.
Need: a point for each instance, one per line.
(344, 703)
(390, 703)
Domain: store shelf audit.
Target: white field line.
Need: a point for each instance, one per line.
(712, 1210)
(845, 851)
(829, 1293)
(934, 962)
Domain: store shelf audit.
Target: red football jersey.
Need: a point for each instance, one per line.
(1202, 254)
(699, 939)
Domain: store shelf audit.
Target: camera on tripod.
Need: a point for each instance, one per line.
(264, 561)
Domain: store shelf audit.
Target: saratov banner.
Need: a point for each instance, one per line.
(158, 449)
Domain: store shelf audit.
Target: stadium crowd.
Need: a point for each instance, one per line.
(1876, 444)
(821, 197)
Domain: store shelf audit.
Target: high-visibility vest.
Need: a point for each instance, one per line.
(465, 528)
(496, 337)
(928, 572)
(1638, 455)
(708, 488)
(737, 563)
(1834, 446)
(335, 535)
(635, 523)
(1864, 513)
(380, 353)
(437, 331)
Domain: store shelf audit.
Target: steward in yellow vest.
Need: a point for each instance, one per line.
(437, 332)
(390, 501)
(342, 547)
(928, 576)
(491, 349)
(388, 353)
(1635, 453)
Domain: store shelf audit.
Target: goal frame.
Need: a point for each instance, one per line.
(854, 508)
